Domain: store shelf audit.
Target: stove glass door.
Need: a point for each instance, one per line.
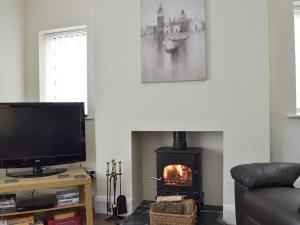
(177, 175)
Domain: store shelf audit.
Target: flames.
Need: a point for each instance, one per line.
(177, 175)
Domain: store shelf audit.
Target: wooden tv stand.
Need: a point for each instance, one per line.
(84, 186)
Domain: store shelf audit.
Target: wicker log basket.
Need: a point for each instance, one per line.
(172, 219)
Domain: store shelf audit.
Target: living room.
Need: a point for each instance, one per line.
(243, 111)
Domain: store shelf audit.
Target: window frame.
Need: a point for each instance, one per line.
(42, 60)
(296, 7)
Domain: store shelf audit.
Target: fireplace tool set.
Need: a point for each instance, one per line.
(118, 206)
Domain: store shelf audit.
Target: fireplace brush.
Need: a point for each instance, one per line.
(116, 207)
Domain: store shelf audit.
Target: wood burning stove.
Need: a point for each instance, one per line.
(179, 169)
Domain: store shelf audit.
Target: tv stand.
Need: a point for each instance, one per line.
(83, 185)
(37, 172)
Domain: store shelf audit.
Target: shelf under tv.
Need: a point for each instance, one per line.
(83, 184)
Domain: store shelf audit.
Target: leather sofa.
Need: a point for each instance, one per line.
(264, 194)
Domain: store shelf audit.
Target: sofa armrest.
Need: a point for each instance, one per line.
(259, 175)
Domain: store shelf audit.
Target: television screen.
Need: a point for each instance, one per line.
(41, 133)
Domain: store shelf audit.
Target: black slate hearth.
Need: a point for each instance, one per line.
(141, 216)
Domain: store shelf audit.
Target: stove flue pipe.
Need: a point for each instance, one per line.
(179, 140)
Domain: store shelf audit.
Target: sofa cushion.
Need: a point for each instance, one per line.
(273, 206)
(259, 175)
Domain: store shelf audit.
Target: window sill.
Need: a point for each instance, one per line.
(90, 118)
(296, 115)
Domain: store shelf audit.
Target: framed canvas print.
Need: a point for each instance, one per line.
(173, 46)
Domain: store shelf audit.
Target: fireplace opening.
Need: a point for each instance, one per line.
(177, 175)
(149, 159)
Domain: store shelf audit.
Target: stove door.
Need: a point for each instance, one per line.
(179, 173)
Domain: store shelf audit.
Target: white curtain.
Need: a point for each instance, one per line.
(66, 67)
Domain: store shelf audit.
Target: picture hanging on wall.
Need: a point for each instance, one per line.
(173, 46)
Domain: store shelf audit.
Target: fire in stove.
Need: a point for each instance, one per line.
(177, 175)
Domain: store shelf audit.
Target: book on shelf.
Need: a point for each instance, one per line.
(67, 194)
(5, 222)
(64, 215)
(67, 198)
(68, 202)
(68, 221)
(20, 220)
(8, 197)
(20, 223)
(71, 195)
(7, 203)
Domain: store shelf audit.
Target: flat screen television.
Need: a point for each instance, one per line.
(41, 134)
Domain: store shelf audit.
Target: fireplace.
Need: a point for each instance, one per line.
(179, 169)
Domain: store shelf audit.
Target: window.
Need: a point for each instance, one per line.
(63, 62)
(297, 52)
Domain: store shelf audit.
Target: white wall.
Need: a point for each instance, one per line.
(41, 15)
(137, 168)
(11, 50)
(212, 143)
(235, 98)
(285, 141)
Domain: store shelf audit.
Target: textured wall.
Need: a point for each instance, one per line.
(137, 168)
(285, 139)
(12, 50)
(234, 99)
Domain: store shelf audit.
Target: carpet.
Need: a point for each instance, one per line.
(208, 216)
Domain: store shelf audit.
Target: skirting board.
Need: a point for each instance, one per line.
(229, 214)
(100, 205)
